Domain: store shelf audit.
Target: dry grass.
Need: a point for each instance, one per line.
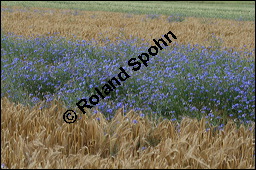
(88, 24)
(34, 138)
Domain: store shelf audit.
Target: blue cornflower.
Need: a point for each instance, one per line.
(143, 148)
(135, 121)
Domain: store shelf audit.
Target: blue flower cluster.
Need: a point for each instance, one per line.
(180, 81)
(153, 16)
(176, 18)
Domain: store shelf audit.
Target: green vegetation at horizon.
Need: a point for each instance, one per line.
(237, 10)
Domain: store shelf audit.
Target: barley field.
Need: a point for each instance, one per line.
(204, 31)
(33, 139)
(191, 106)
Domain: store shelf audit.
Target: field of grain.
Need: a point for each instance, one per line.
(98, 25)
(192, 106)
(34, 138)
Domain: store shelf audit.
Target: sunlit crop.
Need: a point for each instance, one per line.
(34, 138)
(98, 25)
(193, 106)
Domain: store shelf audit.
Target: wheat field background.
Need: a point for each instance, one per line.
(100, 25)
(36, 137)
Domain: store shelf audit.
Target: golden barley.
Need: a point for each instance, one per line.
(34, 138)
(89, 24)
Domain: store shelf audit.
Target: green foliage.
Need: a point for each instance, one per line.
(244, 10)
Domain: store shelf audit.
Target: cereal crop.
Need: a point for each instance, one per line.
(34, 138)
(191, 106)
(88, 25)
